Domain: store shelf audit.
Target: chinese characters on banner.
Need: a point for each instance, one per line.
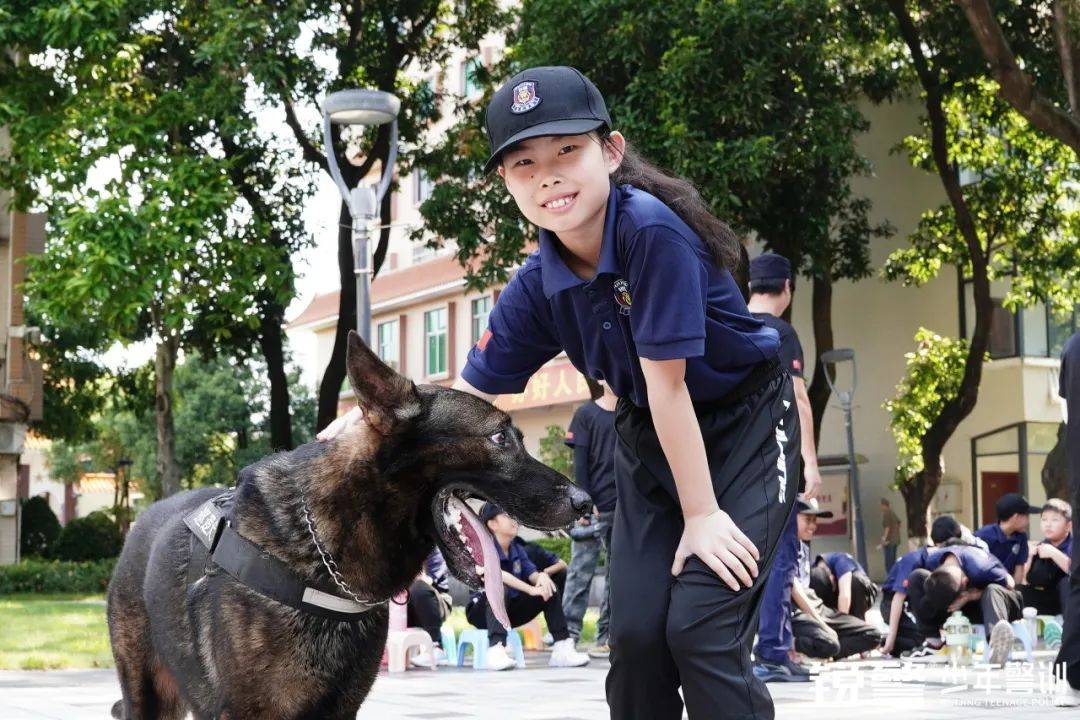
(551, 385)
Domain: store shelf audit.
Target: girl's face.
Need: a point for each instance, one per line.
(560, 182)
(1054, 526)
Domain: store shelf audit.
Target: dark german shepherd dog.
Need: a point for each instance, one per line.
(359, 513)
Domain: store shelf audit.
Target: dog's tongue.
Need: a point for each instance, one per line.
(493, 584)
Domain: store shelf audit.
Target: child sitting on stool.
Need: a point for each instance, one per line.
(529, 591)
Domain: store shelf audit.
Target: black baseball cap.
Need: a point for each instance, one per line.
(542, 101)
(769, 267)
(1011, 504)
(489, 510)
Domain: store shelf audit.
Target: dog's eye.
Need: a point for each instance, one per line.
(499, 438)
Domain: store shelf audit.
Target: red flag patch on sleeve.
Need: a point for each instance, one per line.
(797, 364)
(484, 340)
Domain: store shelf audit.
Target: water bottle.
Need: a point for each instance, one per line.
(1032, 624)
(958, 638)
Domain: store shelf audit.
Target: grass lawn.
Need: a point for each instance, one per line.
(52, 632)
(48, 632)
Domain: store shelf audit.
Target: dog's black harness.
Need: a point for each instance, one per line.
(215, 542)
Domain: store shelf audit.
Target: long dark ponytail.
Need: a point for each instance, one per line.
(684, 199)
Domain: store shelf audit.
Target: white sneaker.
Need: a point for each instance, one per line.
(497, 659)
(563, 654)
(1066, 696)
(1001, 642)
(427, 661)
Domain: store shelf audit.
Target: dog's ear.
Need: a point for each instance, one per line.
(385, 396)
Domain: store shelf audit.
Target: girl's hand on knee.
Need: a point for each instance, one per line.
(718, 542)
(335, 428)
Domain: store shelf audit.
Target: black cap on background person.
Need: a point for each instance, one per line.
(768, 272)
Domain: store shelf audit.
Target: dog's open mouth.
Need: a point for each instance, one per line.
(467, 546)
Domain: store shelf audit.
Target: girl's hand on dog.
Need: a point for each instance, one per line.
(335, 428)
(718, 542)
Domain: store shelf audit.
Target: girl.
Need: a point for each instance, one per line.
(633, 281)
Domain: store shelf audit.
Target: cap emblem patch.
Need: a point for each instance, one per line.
(525, 97)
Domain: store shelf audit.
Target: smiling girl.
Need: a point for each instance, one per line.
(633, 282)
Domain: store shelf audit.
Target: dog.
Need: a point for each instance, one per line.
(356, 517)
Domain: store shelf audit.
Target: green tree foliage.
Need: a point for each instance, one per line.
(755, 102)
(934, 372)
(555, 453)
(222, 424)
(1011, 200)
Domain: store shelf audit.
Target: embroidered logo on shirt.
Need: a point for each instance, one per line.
(525, 97)
(517, 567)
(622, 296)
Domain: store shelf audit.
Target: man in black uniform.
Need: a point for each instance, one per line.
(1069, 655)
(771, 285)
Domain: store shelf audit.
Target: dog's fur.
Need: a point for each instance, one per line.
(220, 650)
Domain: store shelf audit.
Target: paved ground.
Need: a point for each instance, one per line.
(891, 690)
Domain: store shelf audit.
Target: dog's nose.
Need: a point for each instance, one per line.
(580, 501)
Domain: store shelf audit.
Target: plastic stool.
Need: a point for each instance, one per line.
(449, 642)
(400, 642)
(479, 641)
(532, 635)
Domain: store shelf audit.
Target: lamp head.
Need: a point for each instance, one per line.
(361, 107)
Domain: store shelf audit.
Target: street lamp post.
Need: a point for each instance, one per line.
(846, 397)
(369, 108)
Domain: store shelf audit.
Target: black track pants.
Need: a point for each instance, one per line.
(693, 630)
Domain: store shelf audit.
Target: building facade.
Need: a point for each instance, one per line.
(20, 370)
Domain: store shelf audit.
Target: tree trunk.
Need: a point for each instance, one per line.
(955, 409)
(1055, 471)
(821, 309)
(164, 365)
(330, 385)
(917, 495)
(270, 340)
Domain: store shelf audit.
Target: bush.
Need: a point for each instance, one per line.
(40, 528)
(94, 537)
(53, 576)
(558, 545)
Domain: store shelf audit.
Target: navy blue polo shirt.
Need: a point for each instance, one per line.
(657, 294)
(1011, 550)
(982, 568)
(896, 580)
(840, 563)
(593, 431)
(516, 561)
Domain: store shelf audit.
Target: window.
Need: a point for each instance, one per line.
(421, 252)
(481, 308)
(1032, 332)
(470, 87)
(435, 341)
(422, 186)
(388, 343)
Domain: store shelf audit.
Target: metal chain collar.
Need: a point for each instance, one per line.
(328, 559)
